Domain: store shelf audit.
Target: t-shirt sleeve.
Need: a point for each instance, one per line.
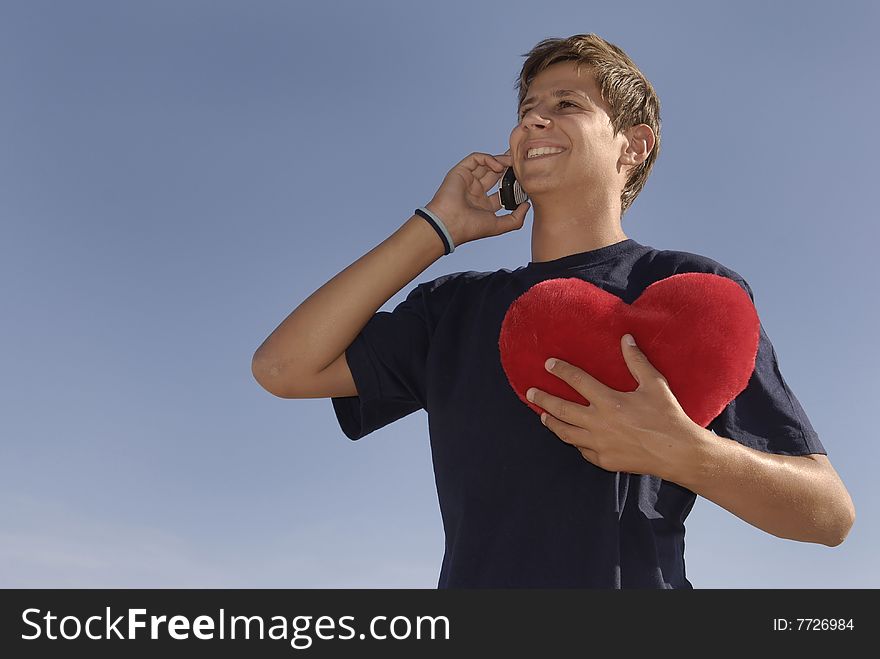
(387, 360)
(766, 415)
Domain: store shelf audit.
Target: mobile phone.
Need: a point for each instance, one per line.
(510, 191)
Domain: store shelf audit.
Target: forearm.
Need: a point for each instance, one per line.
(326, 323)
(790, 497)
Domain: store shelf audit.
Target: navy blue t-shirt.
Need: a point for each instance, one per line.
(520, 507)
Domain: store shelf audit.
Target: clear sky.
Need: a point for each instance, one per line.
(176, 177)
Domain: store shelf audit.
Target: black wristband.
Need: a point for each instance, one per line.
(439, 227)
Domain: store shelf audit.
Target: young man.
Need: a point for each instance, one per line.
(594, 496)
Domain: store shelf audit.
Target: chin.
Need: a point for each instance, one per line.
(544, 186)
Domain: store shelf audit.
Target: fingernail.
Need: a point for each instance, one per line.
(629, 339)
(530, 394)
(550, 363)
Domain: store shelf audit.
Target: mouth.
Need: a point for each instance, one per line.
(546, 155)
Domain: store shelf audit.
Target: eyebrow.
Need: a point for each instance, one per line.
(556, 93)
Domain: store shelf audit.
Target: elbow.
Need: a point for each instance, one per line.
(844, 521)
(263, 372)
(258, 371)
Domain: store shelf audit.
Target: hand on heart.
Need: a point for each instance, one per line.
(627, 408)
(700, 331)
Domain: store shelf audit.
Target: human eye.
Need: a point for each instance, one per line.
(522, 113)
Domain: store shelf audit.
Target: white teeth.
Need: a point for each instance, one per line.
(543, 150)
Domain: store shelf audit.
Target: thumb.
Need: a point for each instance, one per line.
(637, 362)
(514, 220)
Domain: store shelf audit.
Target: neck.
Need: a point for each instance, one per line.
(560, 229)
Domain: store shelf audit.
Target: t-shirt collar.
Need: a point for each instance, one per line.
(582, 259)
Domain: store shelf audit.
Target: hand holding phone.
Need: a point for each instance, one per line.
(464, 206)
(510, 191)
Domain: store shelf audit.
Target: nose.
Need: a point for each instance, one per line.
(532, 120)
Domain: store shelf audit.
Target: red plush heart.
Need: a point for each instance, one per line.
(699, 330)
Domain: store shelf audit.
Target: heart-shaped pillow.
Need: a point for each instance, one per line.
(699, 330)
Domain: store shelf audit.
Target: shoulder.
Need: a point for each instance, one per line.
(450, 283)
(658, 264)
(455, 287)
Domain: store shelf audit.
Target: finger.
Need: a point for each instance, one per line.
(490, 202)
(483, 160)
(638, 364)
(493, 201)
(504, 159)
(519, 213)
(588, 455)
(480, 171)
(568, 433)
(565, 410)
(512, 221)
(489, 178)
(477, 164)
(579, 380)
(477, 189)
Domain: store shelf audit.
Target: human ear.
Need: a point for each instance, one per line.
(640, 142)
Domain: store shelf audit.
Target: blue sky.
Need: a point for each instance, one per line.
(176, 177)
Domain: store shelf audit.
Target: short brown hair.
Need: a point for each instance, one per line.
(624, 87)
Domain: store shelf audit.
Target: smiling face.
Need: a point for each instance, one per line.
(578, 122)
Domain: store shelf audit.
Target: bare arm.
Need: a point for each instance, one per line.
(304, 357)
(646, 431)
(794, 497)
(319, 330)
